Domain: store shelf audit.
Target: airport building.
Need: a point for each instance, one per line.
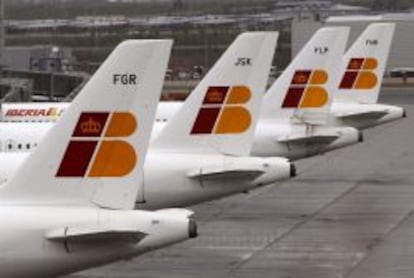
(401, 55)
(43, 58)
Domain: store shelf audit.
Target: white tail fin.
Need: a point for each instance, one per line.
(220, 115)
(95, 152)
(363, 65)
(303, 93)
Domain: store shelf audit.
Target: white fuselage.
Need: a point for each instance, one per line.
(269, 139)
(27, 252)
(171, 180)
(391, 113)
(270, 133)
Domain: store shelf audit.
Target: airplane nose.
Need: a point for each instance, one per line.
(360, 136)
(293, 171)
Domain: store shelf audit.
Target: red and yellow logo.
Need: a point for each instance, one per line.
(360, 74)
(50, 112)
(110, 156)
(306, 91)
(222, 111)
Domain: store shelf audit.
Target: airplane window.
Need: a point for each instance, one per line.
(27, 146)
(19, 146)
(9, 146)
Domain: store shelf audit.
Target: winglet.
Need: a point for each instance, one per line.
(304, 91)
(363, 65)
(220, 115)
(95, 153)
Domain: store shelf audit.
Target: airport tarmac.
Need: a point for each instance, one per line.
(349, 213)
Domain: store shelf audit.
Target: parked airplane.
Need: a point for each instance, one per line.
(296, 133)
(192, 161)
(283, 130)
(294, 112)
(359, 84)
(355, 100)
(70, 205)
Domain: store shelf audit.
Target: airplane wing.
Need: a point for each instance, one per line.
(362, 115)
(89, 233)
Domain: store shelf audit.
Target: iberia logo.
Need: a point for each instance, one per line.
(95, 149)
(50, 112)
(360, 74)
(306, 90)
(223, 111)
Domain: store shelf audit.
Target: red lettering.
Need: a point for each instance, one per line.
(11, 112)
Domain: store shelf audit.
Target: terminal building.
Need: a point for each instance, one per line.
(401, 55)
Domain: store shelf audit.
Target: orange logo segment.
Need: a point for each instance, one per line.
(319, 77)
(222, 111)
(89, 149)
(366, 80)
(306, 91)
(360, 74)
(239, 95)
(233, 120)
(114, 159)
(314, 97)
(122, 124)
(370, 64)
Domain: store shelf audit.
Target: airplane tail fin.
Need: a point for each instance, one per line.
(95, 153)
(220, 115)
(363, 65)
(303, 93)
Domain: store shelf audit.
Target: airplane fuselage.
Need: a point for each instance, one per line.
(26, 250)
(364, 114)
(272, 139)
(181, 180)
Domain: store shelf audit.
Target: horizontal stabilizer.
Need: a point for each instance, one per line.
(311, 139)
(88, 233)
(219, 173)
(362, 115)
